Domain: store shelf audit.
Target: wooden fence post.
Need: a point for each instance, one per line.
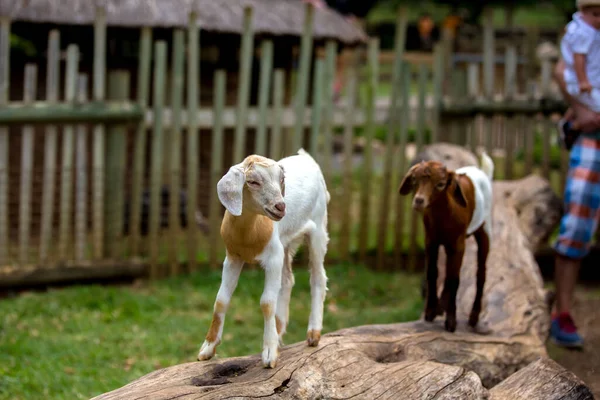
(118, 90)
(489, 67)
(365, 193)
(4, 143)
(156, 158)
(266, 68)
(303, 74)
(245, 71)
(81, 176)
(347, 186)
(50, 150)
(330, 68)
(66, 190)
(404, 115)
(174, 147)
(317, 108)
(99, 132)
(276, 150)
(139, 149)
(400, 44)
(216, 165)
(193, 95)
(27, 154)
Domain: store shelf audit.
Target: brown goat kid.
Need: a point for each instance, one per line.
(455, 205)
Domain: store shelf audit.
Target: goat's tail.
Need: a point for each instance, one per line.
(303, 152)
(487, 165)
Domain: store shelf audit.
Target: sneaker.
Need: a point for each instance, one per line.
(563, 331)
(566, 134)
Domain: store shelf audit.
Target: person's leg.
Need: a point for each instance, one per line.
(578, 225)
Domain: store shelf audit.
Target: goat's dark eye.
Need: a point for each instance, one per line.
(441, 185)
(253, 183)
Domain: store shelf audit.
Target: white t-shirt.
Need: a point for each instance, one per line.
(581, 38)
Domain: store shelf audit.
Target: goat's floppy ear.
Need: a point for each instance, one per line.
(230, 189)
(406, 186)
(457, 193)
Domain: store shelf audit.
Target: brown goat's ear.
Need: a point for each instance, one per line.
(406, 186)
(457, 193)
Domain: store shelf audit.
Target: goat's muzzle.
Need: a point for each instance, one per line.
(418, 203)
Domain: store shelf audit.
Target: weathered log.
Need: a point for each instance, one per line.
(416, 359)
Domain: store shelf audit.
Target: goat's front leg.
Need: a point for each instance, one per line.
(453, 264)
(268, 304)
(229, 280)
(431, 252)
(483, 247)
(283, 302)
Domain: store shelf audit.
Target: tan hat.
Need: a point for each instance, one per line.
(587, 3)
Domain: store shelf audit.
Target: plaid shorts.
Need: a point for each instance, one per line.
(582, 199)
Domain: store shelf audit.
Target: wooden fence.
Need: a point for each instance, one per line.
(78, 229)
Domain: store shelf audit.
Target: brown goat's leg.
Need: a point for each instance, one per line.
(431, 306)
(483, 247)
(453, 264)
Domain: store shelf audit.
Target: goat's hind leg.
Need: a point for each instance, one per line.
(229, 280)
(317, 240)
(483, 247)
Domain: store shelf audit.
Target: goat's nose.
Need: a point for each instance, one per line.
(419, 201)
(280, 206)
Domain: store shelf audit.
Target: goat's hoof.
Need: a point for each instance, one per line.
(313, 337)
(430, 314)
(207, 351)
(269, 356)
(473, 320)
(450, 325)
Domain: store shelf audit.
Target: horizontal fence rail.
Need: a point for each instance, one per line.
(92, 177)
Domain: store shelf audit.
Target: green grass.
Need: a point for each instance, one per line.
(78, 342)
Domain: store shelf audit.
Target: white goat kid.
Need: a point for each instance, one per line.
(259, 227)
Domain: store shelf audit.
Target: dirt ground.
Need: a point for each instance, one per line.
(585, 364)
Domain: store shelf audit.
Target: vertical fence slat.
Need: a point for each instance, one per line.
(317, 107)
(50, 150)
(276, 150)
(404, 114)
(510, 83)
(4, 162)
(193, 88)
(245, 71)
(99, 132)
(473, 94)
(530, 133)
(27, 152)
(303, 74)
(216, 164)
(416, 227)
(266, 69)
(330, 64)
(399, 45)
(66, 190)
(118, 90)
(139, 149)
(160, 67)
(177, 77)
(545, 87)
(345, 204)
(489, 66)
(438, 90)
(81, 180)
(365, 192)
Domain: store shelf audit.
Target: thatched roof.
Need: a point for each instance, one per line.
(276, 17)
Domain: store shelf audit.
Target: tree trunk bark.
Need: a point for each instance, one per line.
(417, 359)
